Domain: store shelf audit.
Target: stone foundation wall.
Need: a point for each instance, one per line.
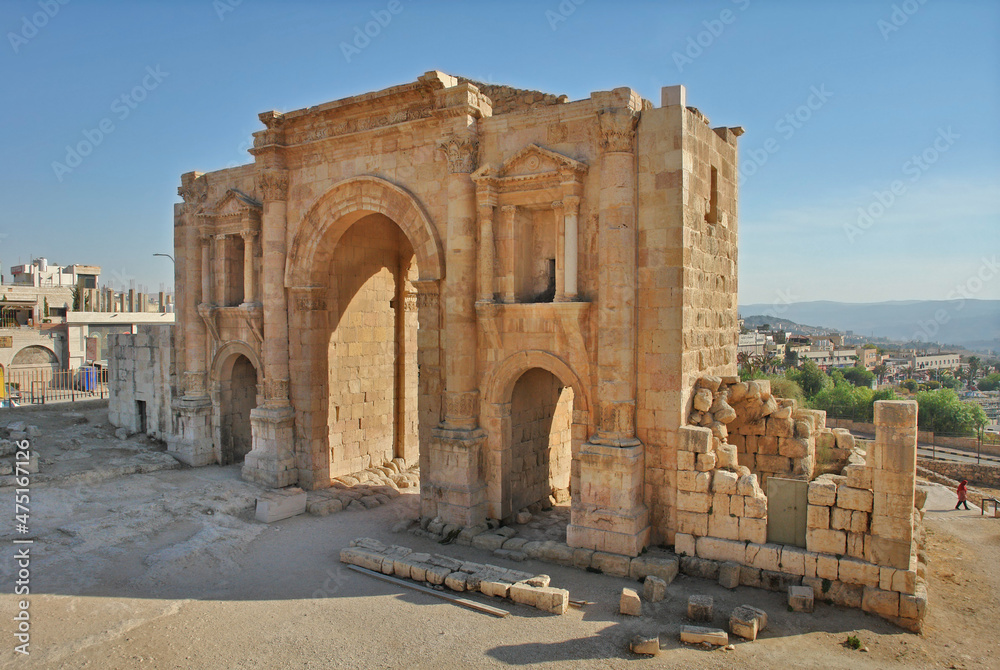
(861, 525)
(139, 371)
(983, 475)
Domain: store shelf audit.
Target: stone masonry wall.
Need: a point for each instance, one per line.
(541, 414)
(362, 369)
(861, 525)
(139, 370)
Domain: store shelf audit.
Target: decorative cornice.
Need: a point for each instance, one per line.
(617, 125)
(461, 153)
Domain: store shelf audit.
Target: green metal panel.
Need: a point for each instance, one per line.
(786, 511)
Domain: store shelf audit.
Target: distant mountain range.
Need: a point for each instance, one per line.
(972, 323)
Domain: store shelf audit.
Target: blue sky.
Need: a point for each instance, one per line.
(905, 97)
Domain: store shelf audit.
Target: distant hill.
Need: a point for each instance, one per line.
(966, 322)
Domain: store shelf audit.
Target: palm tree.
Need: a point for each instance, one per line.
(881, 370)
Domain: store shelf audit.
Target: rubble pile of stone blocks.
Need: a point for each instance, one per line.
(456, 575)
(364, 490)
(503, 542)
(863, 524)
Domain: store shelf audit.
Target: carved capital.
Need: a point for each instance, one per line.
(572, 203)
(276, 391)
(557, 204)
(461, 405)
(273, 183)
(461, 153)
(194, 384)
(193, 190)
(248, 235)
(617, 126)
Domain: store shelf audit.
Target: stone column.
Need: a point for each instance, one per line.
(616, 261)
(248, 238)
(191, 442)
(559, 210)
(571, 210)
(206, 268)
(485, 284)
(508, 213)
(609, 514)
(461, 395)
(220, 269)
(271, 462)
(892, 460)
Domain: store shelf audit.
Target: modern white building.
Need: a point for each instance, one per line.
(39, 273)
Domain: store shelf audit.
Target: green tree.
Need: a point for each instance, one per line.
(990, 382)
(943, 412)
(909, 384)
(810, 378)
(859, 376)
(880, 371)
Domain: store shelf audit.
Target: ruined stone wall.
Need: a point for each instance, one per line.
(541, 414)
(862, 528)
(363, 349)
(139, 370)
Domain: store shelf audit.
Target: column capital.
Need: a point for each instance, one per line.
(273, 183)
(461, 152)
(248, 234)
(557, 204)
(572, 202)
(617, 126)
(508, 209)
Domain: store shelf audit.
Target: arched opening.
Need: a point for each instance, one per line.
(35, 357)
(541, 419)
(238, 396)
(371, 349)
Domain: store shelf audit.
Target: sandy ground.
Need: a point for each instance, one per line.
(166, 568)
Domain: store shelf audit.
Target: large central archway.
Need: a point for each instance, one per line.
(363, 277)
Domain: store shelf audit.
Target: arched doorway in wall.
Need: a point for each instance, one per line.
(237, 397)
(371, 397)
(363, 277)
(541, 418)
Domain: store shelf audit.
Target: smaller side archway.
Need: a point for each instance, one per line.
(235, 392)
(536, 413)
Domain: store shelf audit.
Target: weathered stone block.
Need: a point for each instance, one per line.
(700, 608)
(747, 622)
(699, 634)
(877, 601)
(645, 645)
(281, 504)
(654, 589)
(662, 567)
(629, 603)
(729, 575)
(800, 598)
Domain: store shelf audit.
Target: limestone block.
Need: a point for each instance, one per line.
(858, 476)
(436, 574)
(716, 549)
(747, 486)
(705, 462)
(840, 518)
(695, 502)
(822, 491)
(645, 645)
(844, 438)
(800, 598)
(827, 567)
(724, 482)
(762, 556)
(582, 558)
(729, 575)
(488, 541)
(736, 505)
(685, 460)
(494, 588)
(877, 601)
(818, 516)
(702, 568)
(845, 595)
(700, 634)
(737, 392)
(664, 567)
(859, 522)
(692, 523)
(767, 444)
(854, 571)
(753, 530)
(694, 482)
(792, 560)
(722, 524)
(747, 622)
(803, 429)
(725, 413)
(552, 600)
(629, 603)
(914, 606)
(854, 499)
(654, 589)
(889, 552)
(700, 608)
(826, 440)
(695, 439)
(779, 427)
(755, 507)
(280, 504)
(611, 564)
(793, 447)
(684, 544)
(826, 541)
(726, 456)
(523, 593)
(361, 557)
(702, 400)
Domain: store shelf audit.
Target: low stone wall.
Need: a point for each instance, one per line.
(139, 376)
(925, 436)
(439, 570)
(983, 475)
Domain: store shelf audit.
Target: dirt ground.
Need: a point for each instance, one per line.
(138, 563)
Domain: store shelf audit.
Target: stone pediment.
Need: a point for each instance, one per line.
(234, 203)
(531, 163)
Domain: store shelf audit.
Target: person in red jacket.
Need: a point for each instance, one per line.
(963, 494)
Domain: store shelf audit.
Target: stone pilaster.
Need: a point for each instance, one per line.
(248, 276)
(508, 214)
(571, 213)
(485, 281)
(559, 209)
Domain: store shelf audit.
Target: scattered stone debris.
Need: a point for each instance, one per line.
(800, 598)
(700, 608)
(364, 490)
(747, 622)
(457, 575)
(654, 589)
(702, 635)
(630, 604)
(281, 504)
(646, 645)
